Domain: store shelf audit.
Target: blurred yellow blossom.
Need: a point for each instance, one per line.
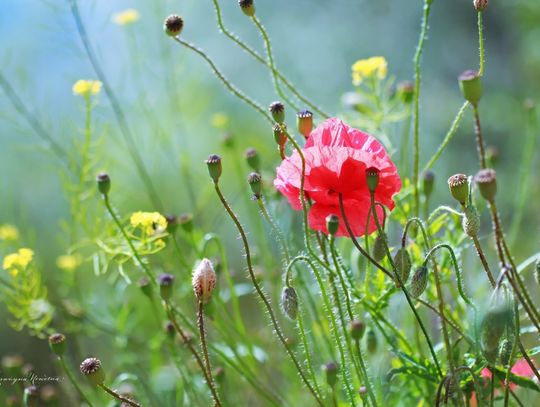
(125, 17)
(220, 120)
(14, 262)
(151, 222)
(86, 87)
(68, 262)
(366, 68)
(8, 232)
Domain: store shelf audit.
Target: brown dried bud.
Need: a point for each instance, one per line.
(480, 5)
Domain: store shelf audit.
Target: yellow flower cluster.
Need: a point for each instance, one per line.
(86, 87)
(126, 17)
(68, 262)
(16, 262)
(8, 232)
(151, 222)
(366, 68)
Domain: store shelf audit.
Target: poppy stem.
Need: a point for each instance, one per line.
(204, 347)
(119, 397)
(479, 138)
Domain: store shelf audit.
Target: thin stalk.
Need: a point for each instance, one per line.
(119, 397)
(204, 348)
(416, 101)
(481, 51)
(74, 381)
(449, 321)
(479, 138)
(484, 261)
(305, 344)
(262, 295)
(367, 381)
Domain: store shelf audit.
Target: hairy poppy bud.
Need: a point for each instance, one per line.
(402, 261)
(493, 326)
(247, 6)
(172, 223)
(289, 302)
(304, 122)
(91, 368)
(214, 167)
(254, 180)
(470, 84)
(331, 371)
(537, 271)
(480, 5)
(332, 224)
(371, 341)
(471, 221)
(379, 249)
(31, 396)
(253, 159)
(357, 329)
(145, 286)
(487, 183)
(186, 222)
(372, 178)
(57, 343)
(405, 90)
(103, 183)
(428, 181)
(173, 25)
(418, 282)
(165, 282)
(204, 280)
(277, 109)
(505, 352)
(459, 187)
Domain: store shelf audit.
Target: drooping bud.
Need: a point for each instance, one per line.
(357, 329)
(371, 341)
(402, 261)
(332, 224)
(304, 122)
(289, 302)
(172, 224)
(480, 5)
(331, 371)
(459, 187)
(406, 91)
(493, 326)
(372, 178)
(186, 222)
(471, 221)
(418, 282)
(470, 84)
(505, 352)
(57, 343)
(91, 368)
(173, 25)
(487, 183)
(204, 280)
(165, 282)
(428, 181)
(379, 249)
(103, 183)
(253, 159)
(31, 396)
(247, 6)
(214, 167)
(255, 183)
(145, 286)
(277, 109)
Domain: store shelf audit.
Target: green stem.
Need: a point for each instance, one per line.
(479, 138)
(204, 349)
(117, 396)
(73, 381)
(482, 54)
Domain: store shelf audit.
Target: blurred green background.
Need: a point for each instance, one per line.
(170, 96)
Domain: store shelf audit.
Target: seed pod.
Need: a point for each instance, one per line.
(166, 281)
(173, 25)
(91, 368)
(254, 181)
(289, 302)
(471, 221)
(487, 183)
(470, 84)
(331, 370)
(480, 5)
(253, 159)
(204, 280)
(103, 183)
(214, 167)
(304, 122)
(145, 286)
(277, 109)
(493, 327)
(419, 282)
(57, 343)
(379, 250)
(372, 178)
(402, 261)
(357, 329)
(247, 7)
(332, 224)
(505, 352)
(459, 187)
(371, 341)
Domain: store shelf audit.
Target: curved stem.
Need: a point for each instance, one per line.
(119, 397)
(204, 349)
(74, 381)
(484, 261)
(479, 138)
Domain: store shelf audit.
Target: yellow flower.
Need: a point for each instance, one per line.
(68, 262)
(151, 222)
(15, 262)
(86, 87)
(220, 120)
(366, 68)
(8, 232)
(126, 17)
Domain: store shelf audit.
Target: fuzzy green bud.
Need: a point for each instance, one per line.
(331, 370)
(253, 159)
(304, 122)
(103, 183)
(289, 302)
(57, 343)
(357, 329)
(371, 341)
(372, 178)
(470, 84)
(332, 224)
(428, 182)
(214, 167)
(165, 282)
(91, 368)
(31, 396)
(173, 25)
(402, 261)
(255, 183)
(247, 7)
(471, 221)
(418, 282)
(505, 352)
(145, 286)
(459, 187)
(277, 109)
(486, 180)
